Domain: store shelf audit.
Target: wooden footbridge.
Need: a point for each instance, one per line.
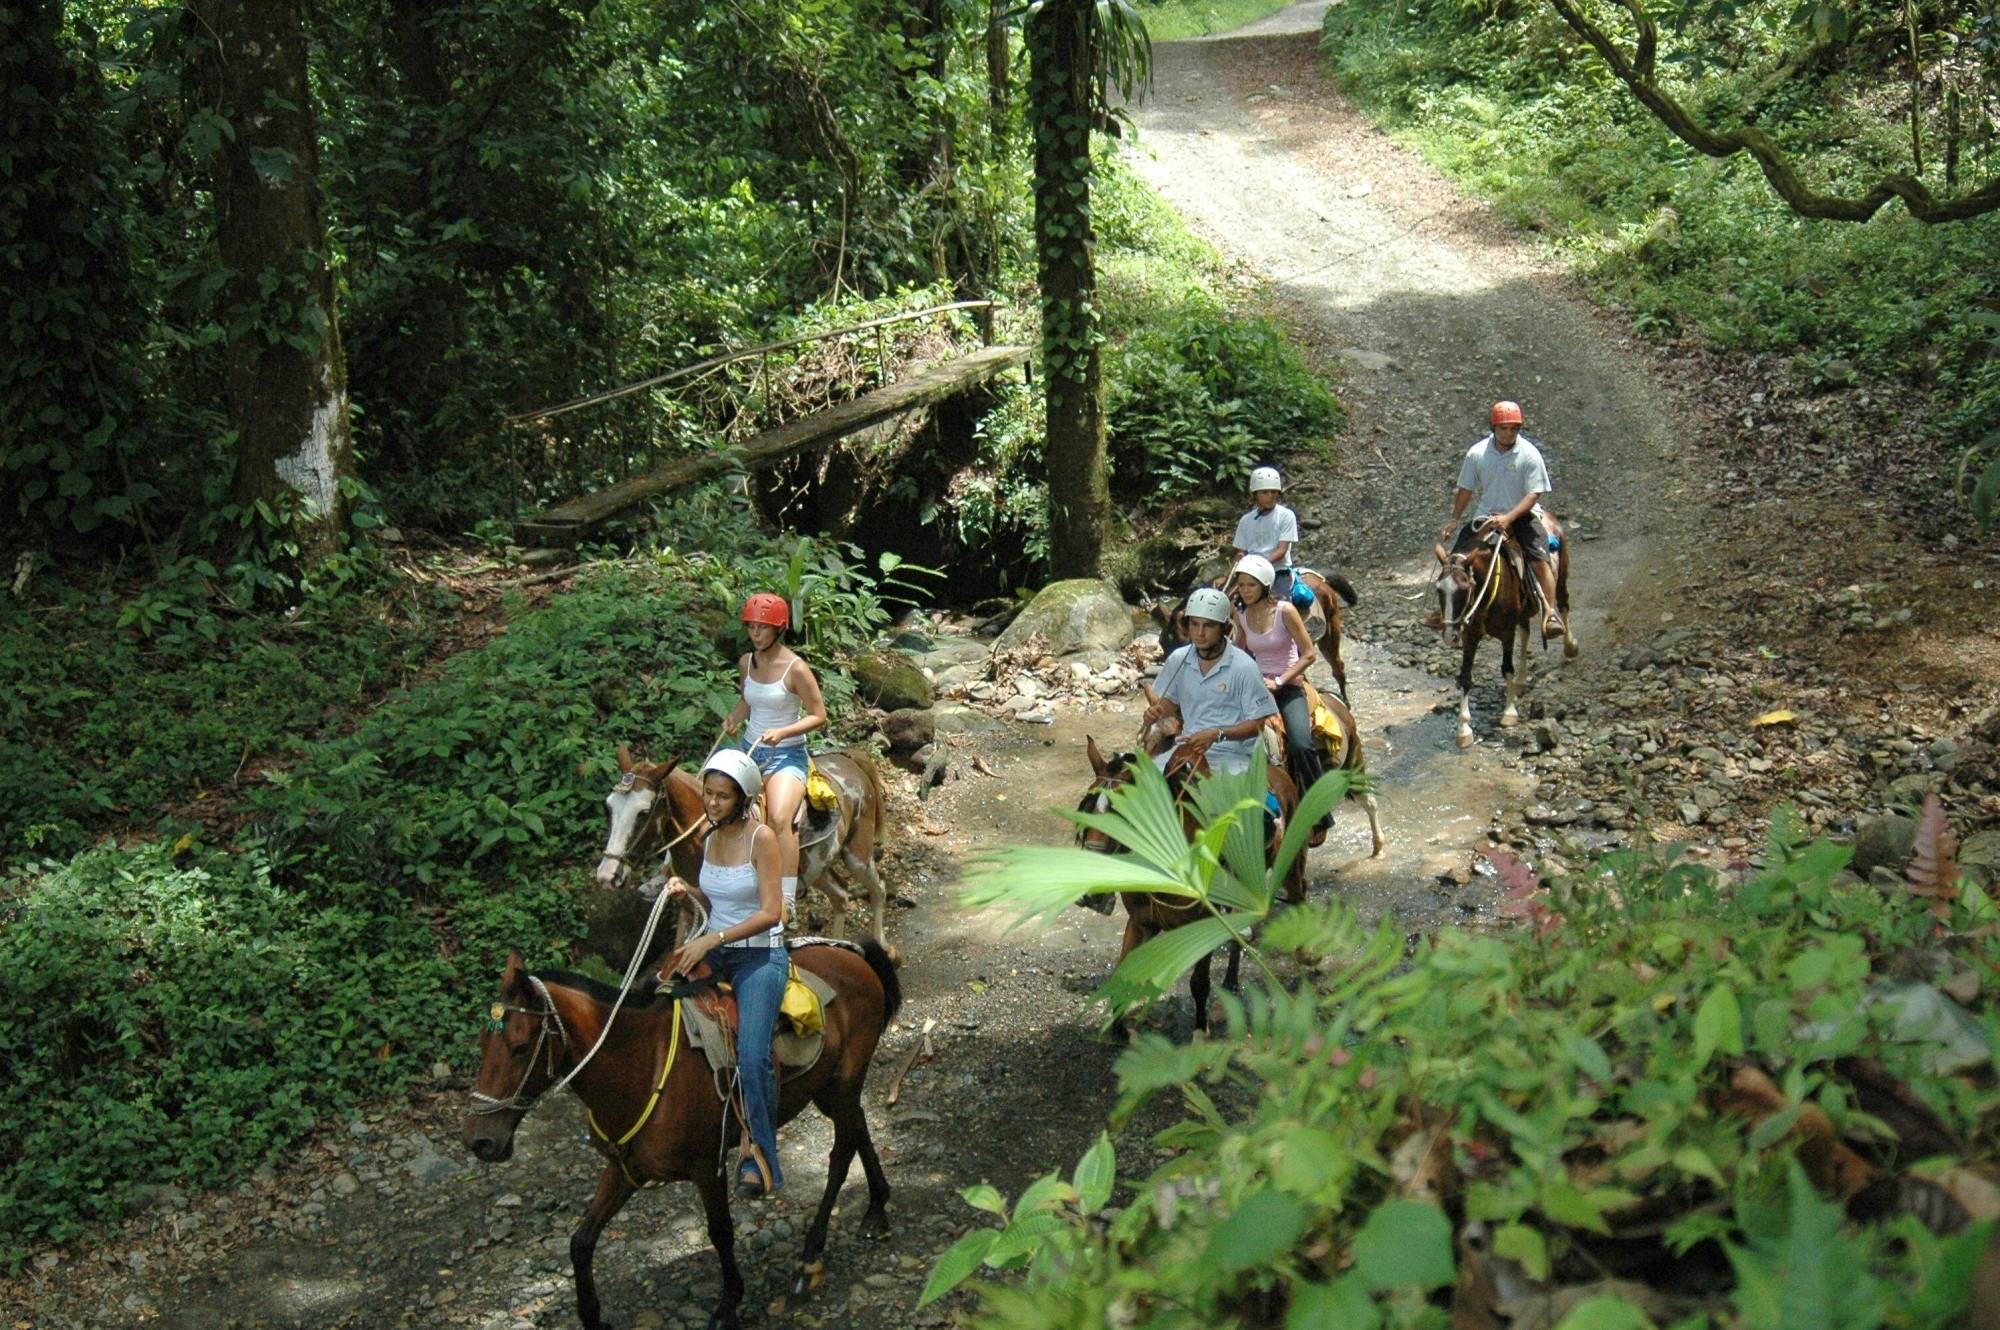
(919, 386)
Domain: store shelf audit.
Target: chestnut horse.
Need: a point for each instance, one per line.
(1481, 595)
(1149, 914)
(1341, 753)
(651, 1101)
(1323, 589)
(655, 805)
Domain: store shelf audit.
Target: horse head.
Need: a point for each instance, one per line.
(1459, 577)
(637, 804)
(518, 1049)
(1111, 773)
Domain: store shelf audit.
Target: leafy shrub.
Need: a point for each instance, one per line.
(175, 1021)
(1657, 1041)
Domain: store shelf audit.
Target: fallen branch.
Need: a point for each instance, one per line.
(921, 1048)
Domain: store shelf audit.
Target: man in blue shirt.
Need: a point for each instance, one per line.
(1214, 687)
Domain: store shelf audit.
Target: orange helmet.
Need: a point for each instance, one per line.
(1506, 413)
(766, 607)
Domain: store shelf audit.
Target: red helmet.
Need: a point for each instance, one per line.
(766, 607)
(1506, 413)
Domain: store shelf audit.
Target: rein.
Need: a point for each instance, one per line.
(662, 809)
(1492, 584)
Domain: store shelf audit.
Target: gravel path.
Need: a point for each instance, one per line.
(1436, 311)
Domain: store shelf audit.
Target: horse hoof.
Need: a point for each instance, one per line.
(810, 1278)
(875, 1227)
(1571, 650)
(1465, 738)
(895, 955)
(1509, 720)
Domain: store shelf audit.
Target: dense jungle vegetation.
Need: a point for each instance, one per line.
(273, 800)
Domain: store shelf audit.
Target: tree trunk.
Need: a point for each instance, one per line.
(286, 377)
(998, 74)
(1059, 65)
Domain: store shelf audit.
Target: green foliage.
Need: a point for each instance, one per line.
(126, 708)
(174, 1019)
(1176, 20)
(1570, 1075)
(1499, 97)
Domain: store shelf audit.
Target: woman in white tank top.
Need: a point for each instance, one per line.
(744, 943)
(782, 704)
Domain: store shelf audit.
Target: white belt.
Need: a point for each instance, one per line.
(758, 940)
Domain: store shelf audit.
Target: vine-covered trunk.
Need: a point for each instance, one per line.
(286, 377)
(1059, 95)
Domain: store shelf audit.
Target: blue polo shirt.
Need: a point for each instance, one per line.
(1230, 692)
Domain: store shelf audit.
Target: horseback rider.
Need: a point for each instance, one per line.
(1275, 636)
(1505, 472)
(744, 944)
(1213, 688)
(1269, 529)
(782, 703)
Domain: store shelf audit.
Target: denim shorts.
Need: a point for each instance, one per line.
(788, 758)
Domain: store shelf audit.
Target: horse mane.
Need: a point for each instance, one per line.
(595, 989)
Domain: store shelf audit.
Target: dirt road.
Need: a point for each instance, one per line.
(385, 1221)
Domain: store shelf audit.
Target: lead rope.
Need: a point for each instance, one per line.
(624, 988)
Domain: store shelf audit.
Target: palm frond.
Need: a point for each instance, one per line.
(1317, 802)
(1152, 968)
(1029, 882)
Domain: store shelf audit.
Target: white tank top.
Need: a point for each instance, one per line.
(772, 706)
(732, 895)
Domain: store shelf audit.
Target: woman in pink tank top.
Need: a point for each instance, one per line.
(1274, 634)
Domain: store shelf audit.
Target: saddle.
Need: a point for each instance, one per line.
(1329, 735)
(708, 1009)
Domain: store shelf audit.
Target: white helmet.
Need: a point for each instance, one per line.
(1257, 566)
(1207, 603)
(736, 764)
(1266, 478)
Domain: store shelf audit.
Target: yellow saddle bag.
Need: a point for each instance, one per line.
(819, 790)
(800, 1006)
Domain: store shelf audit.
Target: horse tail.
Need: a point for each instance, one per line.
(885, 971)
(1344, 587)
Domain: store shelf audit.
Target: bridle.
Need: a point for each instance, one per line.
(1485, 593)
(546, 1018)
(662, 810)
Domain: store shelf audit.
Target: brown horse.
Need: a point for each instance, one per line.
(1149, 914)
(1324, 587)
(656, 804)
(652, 1104)
(1338, 752)
(1482, 594)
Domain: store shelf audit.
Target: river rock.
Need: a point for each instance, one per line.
(909, 729)
(889, 680)
(1884, 842)
(1081, 614)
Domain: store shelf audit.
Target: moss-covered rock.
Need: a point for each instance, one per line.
(889, 680)
(1081, 614)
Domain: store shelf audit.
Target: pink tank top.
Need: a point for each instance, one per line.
(1275, 651)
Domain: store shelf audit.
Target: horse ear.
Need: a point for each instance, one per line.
(510, 978)
(666, 768)
(1097, 762)
(624, 758)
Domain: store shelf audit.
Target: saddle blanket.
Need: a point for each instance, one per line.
(796, 1051)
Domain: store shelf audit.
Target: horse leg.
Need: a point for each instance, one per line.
(612, 1193)
(1465, 686)
(722, 1236)
(1235, 958)
(850, 1137)
(1511, 715)
(1198, 984)
(863, 869)
(1570, 647)
(816, 869)
(1135, 933)
(1330, 644)
(1374, 826)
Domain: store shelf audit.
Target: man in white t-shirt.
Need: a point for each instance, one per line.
(1506, 474)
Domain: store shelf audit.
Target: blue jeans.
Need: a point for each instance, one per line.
(758, 974)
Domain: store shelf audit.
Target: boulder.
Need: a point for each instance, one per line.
(889, 680)
(1081, 614)
(909, 729)
(1164, 562)
(1884, 842)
